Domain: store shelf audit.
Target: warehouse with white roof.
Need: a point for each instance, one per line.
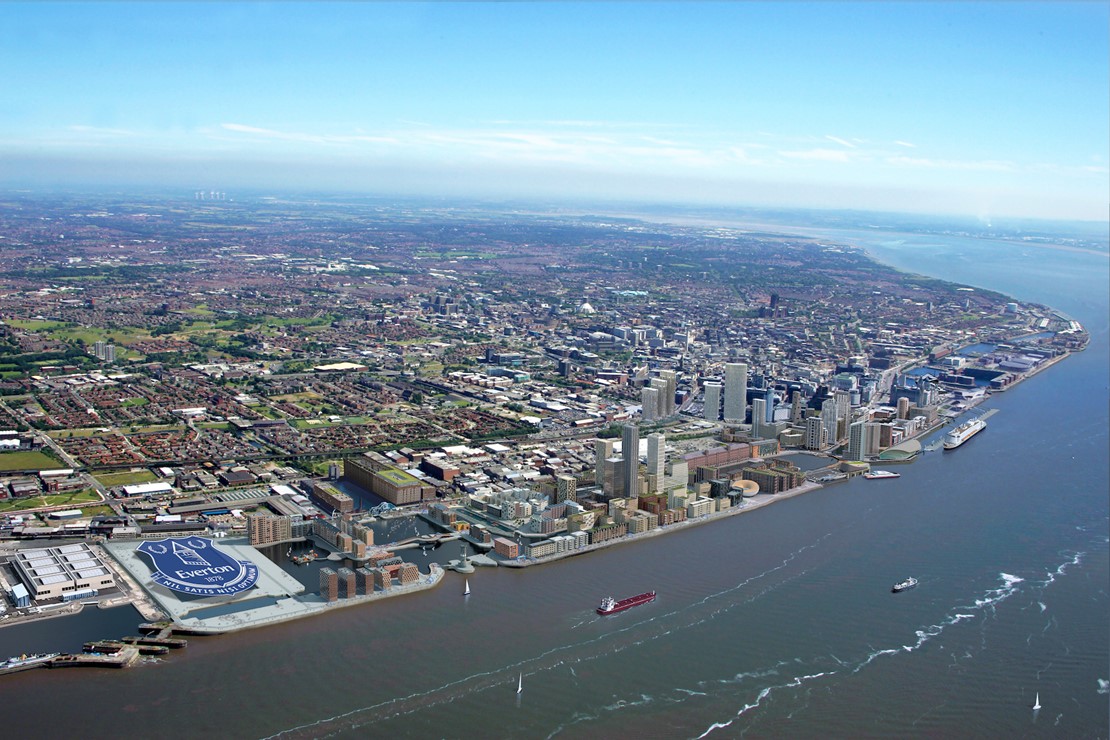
(70, 571)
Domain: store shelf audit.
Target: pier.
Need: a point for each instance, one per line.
(125, 657)
(173, 643)
(110, 647)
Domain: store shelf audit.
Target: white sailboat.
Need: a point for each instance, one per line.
(520, 683)
(466, 589)
(1037, 703)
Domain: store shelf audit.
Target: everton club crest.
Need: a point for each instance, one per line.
(193, 565)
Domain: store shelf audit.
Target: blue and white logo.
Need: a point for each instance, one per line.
(193, 565)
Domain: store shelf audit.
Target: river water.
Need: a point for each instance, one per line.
(778, 622)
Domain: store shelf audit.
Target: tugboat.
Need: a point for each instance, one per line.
(905, 585)
(610, 606)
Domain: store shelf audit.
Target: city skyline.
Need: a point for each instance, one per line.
(986, 109)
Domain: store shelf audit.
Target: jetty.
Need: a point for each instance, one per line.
(125, 657)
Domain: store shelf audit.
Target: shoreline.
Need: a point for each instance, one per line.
(756, 502)
(765, 499)
(131, 592)
(311, 608)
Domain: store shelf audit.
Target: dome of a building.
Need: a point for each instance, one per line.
(586, 308)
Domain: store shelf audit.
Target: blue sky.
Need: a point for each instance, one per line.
(977, 108)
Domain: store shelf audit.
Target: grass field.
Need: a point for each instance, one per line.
(122, 335)
(295, 397)
(27, 460)
(321, 468)
(63, 433)
(74, 498)
(125, 478)
(34, 325)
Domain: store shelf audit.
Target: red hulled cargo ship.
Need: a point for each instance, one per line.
(609, 606)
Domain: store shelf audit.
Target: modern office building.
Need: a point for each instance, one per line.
(669, 380)
(857, 437)
(736, 391)
(630, 452)
(650, 400)
(759, 418)
(843, 404)
(603, 450)
(797, 408)
(816, 433)
(656, 461)
(829, 418)
(712, 410)
(612, 476)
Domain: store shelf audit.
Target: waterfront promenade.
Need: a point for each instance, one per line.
(749, 504)
(277, 596)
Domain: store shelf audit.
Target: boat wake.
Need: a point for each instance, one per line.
(767, 691)
(599, 646)
(981, 607)
(758, 683)
(1076, 560)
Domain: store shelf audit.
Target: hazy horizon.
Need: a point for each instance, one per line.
(984, 110)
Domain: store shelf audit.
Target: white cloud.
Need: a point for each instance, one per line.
(842, 142)
(907, 144)
(240, 128)
(953, 164)
(819, 155)
(100, 131)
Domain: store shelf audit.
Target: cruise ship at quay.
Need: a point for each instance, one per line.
(963, 433)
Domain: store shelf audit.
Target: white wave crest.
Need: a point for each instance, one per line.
(763, 694)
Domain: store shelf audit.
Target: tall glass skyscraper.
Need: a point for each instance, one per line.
(736, 391)
(630, 451)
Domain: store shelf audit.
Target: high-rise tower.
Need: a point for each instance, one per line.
(630, 451)
(736, 391)
(712, 401)
(656, 459)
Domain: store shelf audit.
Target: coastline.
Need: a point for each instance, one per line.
(756, 502)
(308, 606)
(288, 607)
(765, 499)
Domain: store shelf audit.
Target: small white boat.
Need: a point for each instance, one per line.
(1037, 703)
(520, 683)
(881, 474)
(466, 588)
